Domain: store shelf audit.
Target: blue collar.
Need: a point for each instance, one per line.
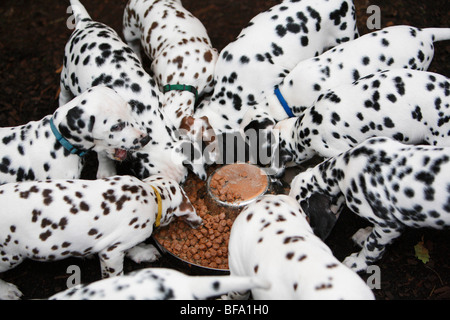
(283, 103)
(63, 141)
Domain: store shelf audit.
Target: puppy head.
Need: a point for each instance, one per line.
(321, 218)
(264, 115)
(175, 202)
(290, 147)
(321, 208)
(101, 120)
(256, 127)
(257, 118)
(198, 144)
(198, 129)
(158, 159)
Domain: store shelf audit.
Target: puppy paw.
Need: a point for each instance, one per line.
(9, 291)
(105, 172)
(143, 253)
(355, 262)
(236, 296)
(361, 236)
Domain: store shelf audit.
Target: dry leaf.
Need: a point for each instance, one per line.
(422, 252)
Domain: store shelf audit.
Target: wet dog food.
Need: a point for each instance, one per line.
(239, 182)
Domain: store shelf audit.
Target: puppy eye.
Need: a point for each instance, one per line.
(118, 127)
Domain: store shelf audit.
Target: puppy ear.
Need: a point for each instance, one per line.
(74, 119)
(187, 212)
(280, 158)
(208, 133)
(187, 122)
(186, 205)
(259, 124)
(193, 159)
(321, 217)
(199, 130)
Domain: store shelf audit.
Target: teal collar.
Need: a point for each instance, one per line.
(181, 87)
(66, 144)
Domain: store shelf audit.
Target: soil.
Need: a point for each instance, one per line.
(33, 34)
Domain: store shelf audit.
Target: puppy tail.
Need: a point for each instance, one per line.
(438, 34)
(79, 11)
(205, 287)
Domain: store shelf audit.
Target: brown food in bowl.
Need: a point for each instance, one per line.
(207, 245)
(238, 182)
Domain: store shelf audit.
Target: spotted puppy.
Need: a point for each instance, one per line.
(55, 219)
(95, 55)
(390, 184)
(54, 147)
(393, 47)
(272, 240)
(158, 284)
(268, 48)
(408, 105)
(183, 58)
(183, 61)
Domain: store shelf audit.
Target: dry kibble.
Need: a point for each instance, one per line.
(207, 245)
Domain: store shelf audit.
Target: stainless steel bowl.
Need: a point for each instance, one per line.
(236, 204)
(214, 202)
(196, 268)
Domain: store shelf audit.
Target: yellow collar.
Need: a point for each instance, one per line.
(159, 216)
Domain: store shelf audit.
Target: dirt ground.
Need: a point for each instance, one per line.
(33, 34)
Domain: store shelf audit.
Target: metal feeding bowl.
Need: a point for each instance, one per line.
(218, 201)
(237, 184)
(195, 268)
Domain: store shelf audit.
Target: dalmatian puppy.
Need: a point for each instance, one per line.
(272, 240)
(95, 55)
(158, 284)
(393, 47)
(410, 106)
(97, 120)
(391, 184)
(177, 43)
(55, 219)
(268, 49)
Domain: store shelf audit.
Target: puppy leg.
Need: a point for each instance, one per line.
(9, 291)
(111, 262)
(131, 33)
(65, 95)
(143, 253)
(106, 166)
(361, 236)
(135, 45)
(373, 248)
(236, 296)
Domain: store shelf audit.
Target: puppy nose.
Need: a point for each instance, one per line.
(145, 140)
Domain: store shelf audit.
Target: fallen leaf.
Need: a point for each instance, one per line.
(422, 252)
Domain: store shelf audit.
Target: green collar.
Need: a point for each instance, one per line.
(181, 87)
